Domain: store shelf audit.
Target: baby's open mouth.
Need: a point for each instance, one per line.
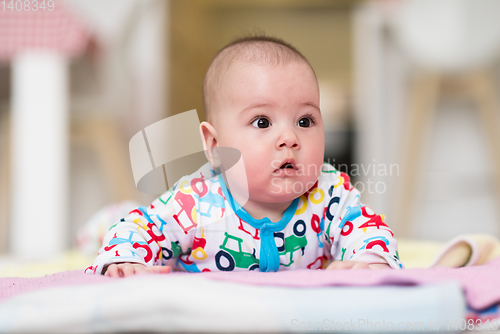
(287, 165)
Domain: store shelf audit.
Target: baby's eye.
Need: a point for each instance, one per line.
(305, 122)
(261, 123)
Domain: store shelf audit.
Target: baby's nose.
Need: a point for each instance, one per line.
(289, 144)
(288, 139)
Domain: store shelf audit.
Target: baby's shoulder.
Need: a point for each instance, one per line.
(189, 187)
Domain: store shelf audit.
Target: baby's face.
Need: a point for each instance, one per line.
(271, 115)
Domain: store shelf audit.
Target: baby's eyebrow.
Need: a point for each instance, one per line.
(261, 105)
(312, 105)
(255, 105)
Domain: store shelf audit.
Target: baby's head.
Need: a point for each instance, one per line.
(261, 97)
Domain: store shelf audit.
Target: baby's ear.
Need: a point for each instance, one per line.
(209, 139)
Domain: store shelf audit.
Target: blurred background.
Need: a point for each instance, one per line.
(409, 95)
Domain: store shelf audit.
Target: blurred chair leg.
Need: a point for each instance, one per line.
(103, 137)
(485, 94)
(115, 160)
(4, 183)
(422, 104)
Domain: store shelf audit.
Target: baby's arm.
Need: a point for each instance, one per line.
(360, 239)
(124, 269)
(365, 238)
(356, 265)
(143, 239)
(132, 244)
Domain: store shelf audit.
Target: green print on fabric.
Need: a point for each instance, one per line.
(228, 258)
(173, 252)
(293, 242)
(343, 252)
(334, 171)
(176, 249)
(170, 193)
(328, 229)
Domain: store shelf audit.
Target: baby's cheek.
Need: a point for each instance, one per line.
(313, 169)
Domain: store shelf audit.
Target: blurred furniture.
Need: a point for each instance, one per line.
(104, 139)
(4, 179)
(427, 87)
(38, 45)
(100, 136)
(121, 90)
(408, 56)
(453, 43)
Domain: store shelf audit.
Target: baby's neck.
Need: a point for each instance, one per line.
(273, 211)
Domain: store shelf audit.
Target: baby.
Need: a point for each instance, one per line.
(284, 210)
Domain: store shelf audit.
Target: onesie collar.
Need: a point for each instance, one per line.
(269, 256)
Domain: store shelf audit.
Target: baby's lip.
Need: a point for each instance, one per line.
(287, 164)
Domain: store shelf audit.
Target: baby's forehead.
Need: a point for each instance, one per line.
(238, 70)
(234, 65)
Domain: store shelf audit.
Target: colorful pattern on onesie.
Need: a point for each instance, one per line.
(197, 226)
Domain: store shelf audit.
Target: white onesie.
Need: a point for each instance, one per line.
(197, 226)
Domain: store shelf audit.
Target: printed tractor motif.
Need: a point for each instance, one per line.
(375, 220)
(376, 241)
(118, 240)
(227, 259)
(199, 244)
(293, 242)
(135, 244)
(205, 196)
(213, 200)
(188, 210)
(174, 252)
(241, 228)
(187, 264)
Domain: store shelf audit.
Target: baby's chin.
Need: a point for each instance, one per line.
(285, 192)
(279, 197)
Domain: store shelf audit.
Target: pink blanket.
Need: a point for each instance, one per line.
(481, 284)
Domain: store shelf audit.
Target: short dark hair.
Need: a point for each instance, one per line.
(258, 49)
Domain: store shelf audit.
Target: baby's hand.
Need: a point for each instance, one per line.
(125, 269)
(356, 265)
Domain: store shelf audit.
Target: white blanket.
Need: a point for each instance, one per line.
(193, 303)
